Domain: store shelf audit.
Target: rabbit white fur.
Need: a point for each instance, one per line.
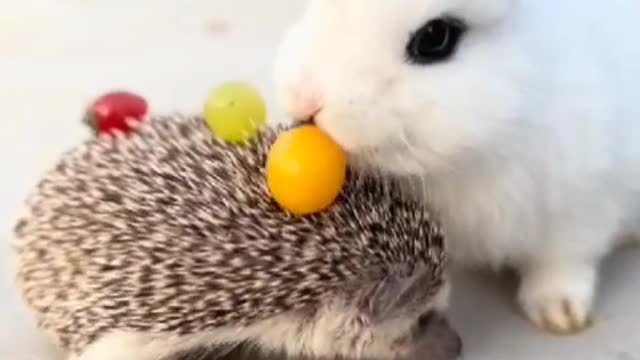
(526, 141)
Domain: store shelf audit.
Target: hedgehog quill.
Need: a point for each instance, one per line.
(143, 247)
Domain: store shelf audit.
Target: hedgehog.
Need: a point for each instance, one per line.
(149, 245)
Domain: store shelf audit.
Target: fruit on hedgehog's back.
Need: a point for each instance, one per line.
(235, 112)
(115, 111)
(306, 170)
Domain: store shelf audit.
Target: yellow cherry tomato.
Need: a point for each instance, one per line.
(306, 170)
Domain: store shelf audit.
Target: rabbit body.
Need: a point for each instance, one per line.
(525, 139)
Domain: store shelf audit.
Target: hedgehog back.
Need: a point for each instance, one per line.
(171, 230)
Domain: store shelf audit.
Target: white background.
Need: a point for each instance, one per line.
(56, 55)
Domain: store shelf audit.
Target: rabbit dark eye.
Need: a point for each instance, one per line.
(436, 41)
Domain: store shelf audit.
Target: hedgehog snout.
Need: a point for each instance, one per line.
(435, 339)
(401, 313)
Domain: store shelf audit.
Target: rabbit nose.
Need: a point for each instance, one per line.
(305, 106)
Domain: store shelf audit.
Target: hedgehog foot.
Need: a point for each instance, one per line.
(558, 298)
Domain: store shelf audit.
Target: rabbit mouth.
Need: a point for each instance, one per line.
(395, 153)
(392, 159)
(400, 155)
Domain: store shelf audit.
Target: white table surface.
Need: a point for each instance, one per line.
(56, 55)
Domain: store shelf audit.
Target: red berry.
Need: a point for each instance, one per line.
(112, 111)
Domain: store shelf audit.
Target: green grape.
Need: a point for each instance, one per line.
(235, 112)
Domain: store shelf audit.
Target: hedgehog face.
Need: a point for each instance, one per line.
(398, 315)
(386, 314)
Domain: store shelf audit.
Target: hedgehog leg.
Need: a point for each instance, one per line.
(136, 346)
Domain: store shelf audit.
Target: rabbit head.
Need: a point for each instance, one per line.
(404, 85)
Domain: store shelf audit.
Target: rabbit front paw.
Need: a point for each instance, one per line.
(558, 299)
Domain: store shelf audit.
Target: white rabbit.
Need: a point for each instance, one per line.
(520, 118)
